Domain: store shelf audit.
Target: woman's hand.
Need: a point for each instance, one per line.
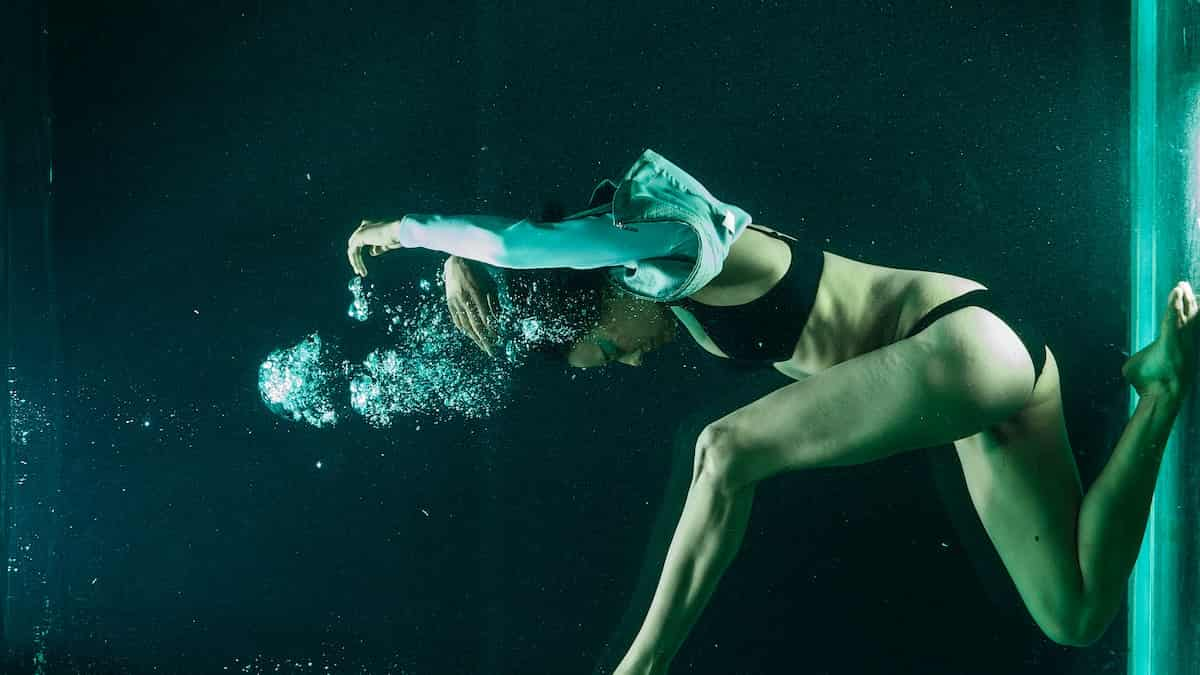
(472, 300)
(377, 236)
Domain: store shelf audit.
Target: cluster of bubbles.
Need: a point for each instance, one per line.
(360, 309)
(299, 383)
(26, 418)
(538, 316)
(429, 368)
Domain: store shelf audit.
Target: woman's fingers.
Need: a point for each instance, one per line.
(463, 321)
(356, 262)
(488, 305)
(478, 332)
(464, 325)
(352, 251)
(371, 236)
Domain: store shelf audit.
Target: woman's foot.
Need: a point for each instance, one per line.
(1167, 365)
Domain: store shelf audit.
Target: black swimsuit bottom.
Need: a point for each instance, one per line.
(765, 330)
(1009, 312)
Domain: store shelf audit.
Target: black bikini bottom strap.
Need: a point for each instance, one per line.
(971, 298)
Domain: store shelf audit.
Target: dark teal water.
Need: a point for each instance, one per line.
(210, 161)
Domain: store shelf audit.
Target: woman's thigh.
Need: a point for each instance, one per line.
(964, 373)
(1025, 486)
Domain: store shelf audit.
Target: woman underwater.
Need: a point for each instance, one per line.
(886, 360)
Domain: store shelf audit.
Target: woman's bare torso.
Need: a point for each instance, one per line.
(859, 307)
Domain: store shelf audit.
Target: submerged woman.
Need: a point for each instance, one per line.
(886, 360)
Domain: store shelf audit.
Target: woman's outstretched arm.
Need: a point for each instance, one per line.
(582, 243)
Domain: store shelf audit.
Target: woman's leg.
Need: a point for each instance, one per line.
(1070, 554)
(940, 386)
(707, 539)
(930, 389)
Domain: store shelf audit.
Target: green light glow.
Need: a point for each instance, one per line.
(1164, 248)
(1144, 115)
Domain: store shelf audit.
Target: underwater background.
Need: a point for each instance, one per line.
(210, 161)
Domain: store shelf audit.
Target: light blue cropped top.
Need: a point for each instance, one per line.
(660, 233)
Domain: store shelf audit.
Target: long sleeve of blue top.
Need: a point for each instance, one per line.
(580, 243)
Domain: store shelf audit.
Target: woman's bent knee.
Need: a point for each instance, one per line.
(718, 458)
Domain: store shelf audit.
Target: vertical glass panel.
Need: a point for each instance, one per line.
(1165, 119)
